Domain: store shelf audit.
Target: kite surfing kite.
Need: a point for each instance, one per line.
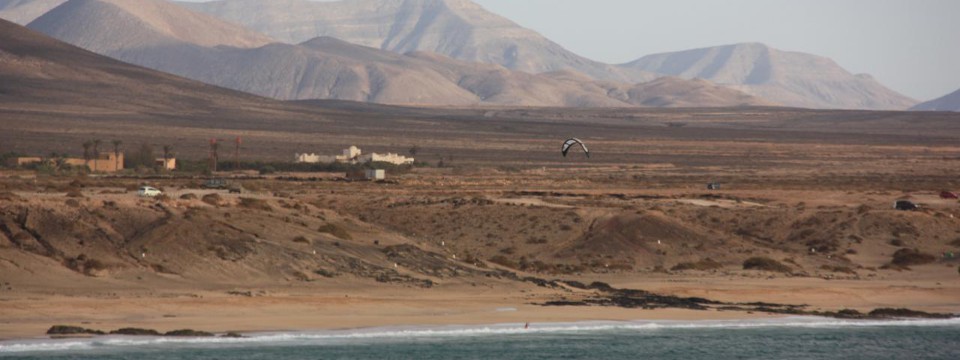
(571, 143)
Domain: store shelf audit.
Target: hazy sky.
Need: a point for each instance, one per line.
(912, 46)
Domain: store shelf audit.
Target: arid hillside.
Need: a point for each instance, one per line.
(432, 229)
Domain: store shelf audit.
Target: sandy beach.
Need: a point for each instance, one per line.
(29, 315)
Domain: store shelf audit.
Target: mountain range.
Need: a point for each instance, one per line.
(39, 74)
(459, 29)
(792, 78)
(163, 36)
(949, 102)
(110, 26)
(24, 11)
(430, 52)
(463, 30)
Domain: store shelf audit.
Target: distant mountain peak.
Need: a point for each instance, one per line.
(949, 102)
(460, 29)
(24, 11)
(130, 24)
(790, 78)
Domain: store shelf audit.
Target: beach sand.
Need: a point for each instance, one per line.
(29, 315)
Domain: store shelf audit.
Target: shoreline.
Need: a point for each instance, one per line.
(299, 314)
(29, 313)
(410, 332)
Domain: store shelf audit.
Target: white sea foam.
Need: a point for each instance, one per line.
(415, 333)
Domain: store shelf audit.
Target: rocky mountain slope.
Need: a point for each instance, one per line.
(460, 29)
(106, 26)
(24, 11)
(950, 102)
(790, 78)
(463, 30)
(486, 59)
(36, 70)
(166, 37)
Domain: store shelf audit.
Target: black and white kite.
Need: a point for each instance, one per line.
(571, 143)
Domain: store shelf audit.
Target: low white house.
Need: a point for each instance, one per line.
(353, 155)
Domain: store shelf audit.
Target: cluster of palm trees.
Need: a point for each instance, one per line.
(95, 153)
(91, 150)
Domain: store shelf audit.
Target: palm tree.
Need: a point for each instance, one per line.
(86, 152)
(216, 157)
(96, 153)
(167, 153)
(116, 154)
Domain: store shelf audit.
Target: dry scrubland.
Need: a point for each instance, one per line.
(805, 218)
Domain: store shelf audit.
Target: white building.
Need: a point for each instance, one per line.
(353, 155)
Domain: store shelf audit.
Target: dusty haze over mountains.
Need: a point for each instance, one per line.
(24, 11)
(798, 79)
(107, 26)
(42, 75)
(167, 37)
(949, 102)
(430, 52)
(457, 28)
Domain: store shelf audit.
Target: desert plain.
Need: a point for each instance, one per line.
(507, 230)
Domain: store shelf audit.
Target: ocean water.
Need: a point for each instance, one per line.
(786, 338)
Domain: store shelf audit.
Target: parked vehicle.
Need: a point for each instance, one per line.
(948, 195)
(905, 205)
(236, 189)
(215, 184)
(146, 191)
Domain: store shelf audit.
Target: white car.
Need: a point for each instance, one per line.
(146, 191)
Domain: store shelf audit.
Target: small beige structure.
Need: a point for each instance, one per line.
(376, 174)
(21, 161)
(166, 164)
(354, 155)
(368, 174)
